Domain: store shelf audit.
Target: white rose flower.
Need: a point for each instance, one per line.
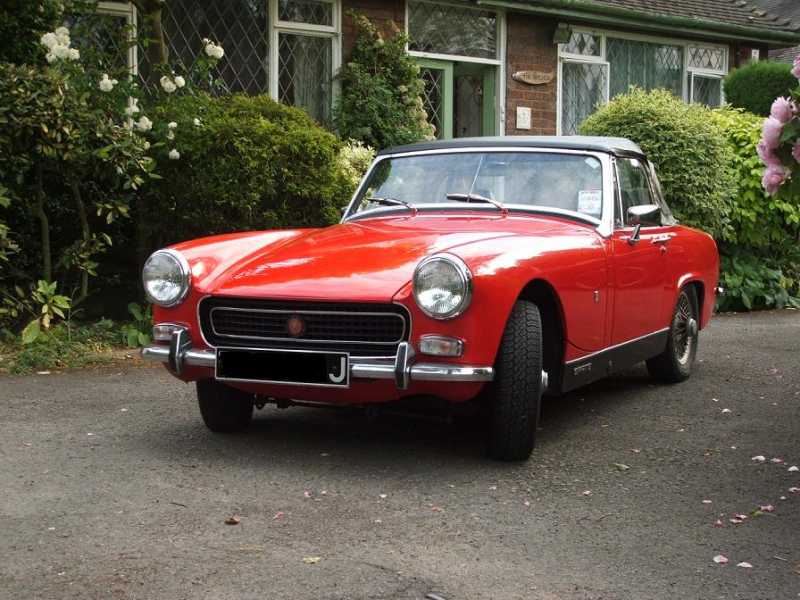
(106, 84)
(146, 145)
(170, 135)
(62, 32)
(74, 54)
(49, 40)
(172, 125)
(214, 50)
(144, 124)
(174, 154)
(60, 51)
(180, 81)
(219, 52)
(168, 85)
(196, 122)
(51, 58)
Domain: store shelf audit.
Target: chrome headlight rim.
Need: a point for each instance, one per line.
(185, 275)
(465, 276)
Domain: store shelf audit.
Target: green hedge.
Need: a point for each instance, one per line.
(692, 158)
(755, 86)
(246, 163)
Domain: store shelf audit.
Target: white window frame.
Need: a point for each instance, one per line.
(125, 10)
(499, 61)
(686, 45)
(276, 27)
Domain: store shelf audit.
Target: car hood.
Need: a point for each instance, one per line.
(367, 260)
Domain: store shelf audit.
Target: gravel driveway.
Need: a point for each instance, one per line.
(110, 487)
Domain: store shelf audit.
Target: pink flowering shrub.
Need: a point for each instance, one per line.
(779, 148)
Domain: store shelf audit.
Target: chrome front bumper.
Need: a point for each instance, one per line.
(403, 369)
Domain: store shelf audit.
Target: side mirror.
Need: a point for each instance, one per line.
(642, 214)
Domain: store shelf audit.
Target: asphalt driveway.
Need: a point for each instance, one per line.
(110, 487)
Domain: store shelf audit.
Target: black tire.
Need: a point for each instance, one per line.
(224, 409)
(674, 364)
(515, 394)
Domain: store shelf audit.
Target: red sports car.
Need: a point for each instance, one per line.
(488, 269)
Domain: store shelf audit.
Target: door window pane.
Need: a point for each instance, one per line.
(445, 29)
(633, 186)
(433, 98)
(584, 89)
(312, 12)
(468, 110)
(644, 65)
(304, 73)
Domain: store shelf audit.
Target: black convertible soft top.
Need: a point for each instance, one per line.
(611, 145)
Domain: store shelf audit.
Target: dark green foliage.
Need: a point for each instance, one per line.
(691, 157)
(249, 163)
(752, 281)
(22, 22)
(381, 102)
(755, 86)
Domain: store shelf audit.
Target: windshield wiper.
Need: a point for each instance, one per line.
(392, 202)
(477, 198)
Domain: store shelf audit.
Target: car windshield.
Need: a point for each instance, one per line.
(571, 182)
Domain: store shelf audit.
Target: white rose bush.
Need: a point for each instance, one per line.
(86, 140)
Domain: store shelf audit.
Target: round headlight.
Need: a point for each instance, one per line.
(166, 278)
(442, 286)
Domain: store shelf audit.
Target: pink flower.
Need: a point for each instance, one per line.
(796, 69)
(771, 133)
(773, 179)
(767, 156)
(782, 110)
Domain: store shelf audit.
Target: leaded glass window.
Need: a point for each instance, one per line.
(644, 65)
(706, 89)
(447, 29)
(711, 58)
(433, 98)
(584, 89)
(583, 43)
(102, 35)
(304, 73)
(311, 12)
(239, 25)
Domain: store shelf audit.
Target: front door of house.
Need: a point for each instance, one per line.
(459, 97)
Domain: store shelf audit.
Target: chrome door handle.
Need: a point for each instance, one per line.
(662, 239)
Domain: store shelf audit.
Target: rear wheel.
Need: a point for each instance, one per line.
(674, 364)
(516, 392)
(224, 409)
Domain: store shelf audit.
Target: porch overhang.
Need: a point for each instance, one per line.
(606, 15)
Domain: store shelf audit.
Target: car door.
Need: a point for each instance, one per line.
(639, 262)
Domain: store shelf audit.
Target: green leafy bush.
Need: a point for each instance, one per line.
(235, 163)
(138, 332)
(381, 102)
(691, 156)
(753, 282)
(757, 219)
(755, 86)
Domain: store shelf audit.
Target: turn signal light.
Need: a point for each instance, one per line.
(439, 345)
(163, 331)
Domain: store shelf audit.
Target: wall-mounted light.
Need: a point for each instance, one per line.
(562, 34)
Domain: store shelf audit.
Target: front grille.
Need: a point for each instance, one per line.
(362, 329)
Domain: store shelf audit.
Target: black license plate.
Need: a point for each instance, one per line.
(293, 367)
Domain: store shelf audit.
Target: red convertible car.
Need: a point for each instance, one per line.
(488, 269)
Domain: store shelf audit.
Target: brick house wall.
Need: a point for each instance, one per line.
(529, 46)
(380, 12)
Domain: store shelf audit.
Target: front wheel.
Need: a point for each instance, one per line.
(674, 364)
(224, 409)
(515, 394)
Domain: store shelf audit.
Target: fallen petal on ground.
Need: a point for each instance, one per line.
(744, 565)
(311, 560)
(766, 508)
(793, 469)
(759, 458)
(721, 559)
(233, 520)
